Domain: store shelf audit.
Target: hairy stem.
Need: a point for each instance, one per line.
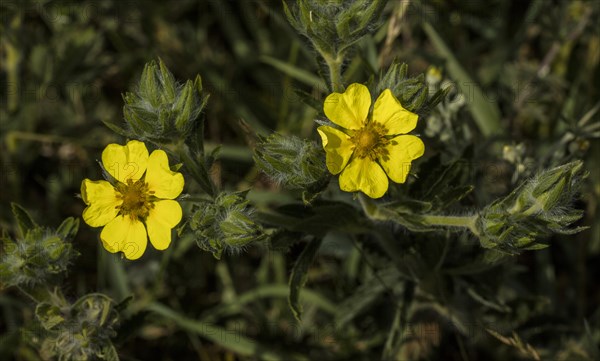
(419, 222)
(335, 72)
(452, 221)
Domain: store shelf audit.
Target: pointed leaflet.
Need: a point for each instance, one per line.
(24, 220)
(300, 275)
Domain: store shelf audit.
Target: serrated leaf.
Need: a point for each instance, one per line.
(68, 228)
(309, 99)
(23, 218)
(364, 296)
(115, 128)
(410, 206)
(121, 306)
(297, 73)
(300, 275)
(317, 220)
(438, 97)
(453, 194)
(110, 353)
(485, 261)
(167, 80)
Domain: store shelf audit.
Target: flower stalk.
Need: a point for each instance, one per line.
(452, 221)
(335, 71)
(416, 222)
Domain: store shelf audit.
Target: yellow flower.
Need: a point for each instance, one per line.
(369, 149)
(139, 205)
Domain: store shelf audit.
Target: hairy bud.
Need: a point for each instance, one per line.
(536, 209)
(38, 254)
(225, 224)
(295, 163)
(81, 331)
(333, 26)
(160, 109)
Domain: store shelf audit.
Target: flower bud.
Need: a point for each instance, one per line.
(80, 331)
(332, 26)
(225, 224)
(295, 163)
(534, 210)
(39, 254)
(160, 109)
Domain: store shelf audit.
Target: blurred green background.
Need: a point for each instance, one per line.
(65, 64)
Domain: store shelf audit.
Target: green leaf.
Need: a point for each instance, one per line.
(407, 205)
(317, 220)
(300, 275)
(485, 261)
(231, 340)
(24, 220)
(115, 128)
(49, 315)
(438, 97)
(68, 228)
(299, 74)
(484, 110)
(269, 291)
(167, 80)
(364, 296)
(121, 306)
(110, 353)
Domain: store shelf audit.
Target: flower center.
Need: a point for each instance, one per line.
(370, 141)
(136, 199)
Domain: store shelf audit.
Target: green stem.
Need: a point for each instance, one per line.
(32, 297)
(164, 262)
(419, 222)
(451, 221)
(335, 72)
(197, 170)
(12, 62)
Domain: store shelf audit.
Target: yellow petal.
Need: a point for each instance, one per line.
(125, 161)
(402, 150)
(161, 180)
(389, 112)
(102, 201)
(362, 174)
(338, 148)
(123, 234)
(350, 108)
(162, 218)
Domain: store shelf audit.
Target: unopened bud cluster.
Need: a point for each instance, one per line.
(225, 224)
(160, 109)
(293, 162)
(81, 331)
(412, 92)
(334, 25)
(536, 209)
(38, 256)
